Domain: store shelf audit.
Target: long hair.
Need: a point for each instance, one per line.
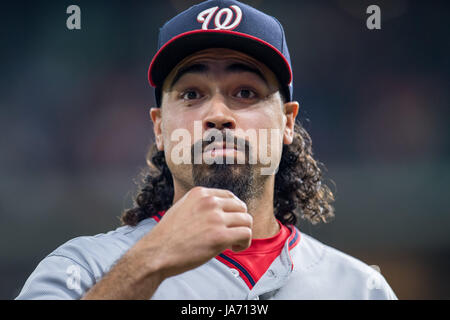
(299, 189)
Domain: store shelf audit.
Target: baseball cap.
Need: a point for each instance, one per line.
(222, 24)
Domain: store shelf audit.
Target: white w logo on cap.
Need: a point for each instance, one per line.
(206, 15)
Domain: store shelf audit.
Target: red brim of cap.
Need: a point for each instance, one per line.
(185, 44)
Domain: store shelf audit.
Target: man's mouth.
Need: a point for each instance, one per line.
(221, 149)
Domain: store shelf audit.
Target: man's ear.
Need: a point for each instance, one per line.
(291, 111)
(155, 115)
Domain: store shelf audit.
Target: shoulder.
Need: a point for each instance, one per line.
(103, 249)
(310, 254)
(75, 266)
(335, 274)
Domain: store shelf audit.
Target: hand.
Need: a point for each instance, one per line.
(197, 228)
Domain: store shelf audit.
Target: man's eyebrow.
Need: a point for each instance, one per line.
(203, 68)
(193, 68)
(241, 67)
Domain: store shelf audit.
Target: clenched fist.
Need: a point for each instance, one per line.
(197, 228)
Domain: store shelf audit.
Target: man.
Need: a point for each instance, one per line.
(215, 217)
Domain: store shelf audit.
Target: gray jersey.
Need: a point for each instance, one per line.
(305, 269)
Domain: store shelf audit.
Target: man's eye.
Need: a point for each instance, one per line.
(190, 95)
(246, 94)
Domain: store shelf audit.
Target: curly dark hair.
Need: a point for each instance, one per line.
(299, 189)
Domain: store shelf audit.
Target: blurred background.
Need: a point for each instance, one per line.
(75, 127)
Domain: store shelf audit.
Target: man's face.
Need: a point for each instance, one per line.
(234, 94)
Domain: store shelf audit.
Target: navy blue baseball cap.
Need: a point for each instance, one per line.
(222, 24)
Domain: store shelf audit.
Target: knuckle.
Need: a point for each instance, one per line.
(210, 202)
(247, 233)
(230, 194)
(240, 203)
(216, 217)
(197, 191)
(249, 219)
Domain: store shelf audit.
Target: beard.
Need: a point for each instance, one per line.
(243, 180)
(240, 179)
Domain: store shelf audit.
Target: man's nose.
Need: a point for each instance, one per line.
(219, 116)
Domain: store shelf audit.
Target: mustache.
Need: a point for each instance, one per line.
(227, 137)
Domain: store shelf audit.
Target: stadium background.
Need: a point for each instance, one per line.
(75, 127)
